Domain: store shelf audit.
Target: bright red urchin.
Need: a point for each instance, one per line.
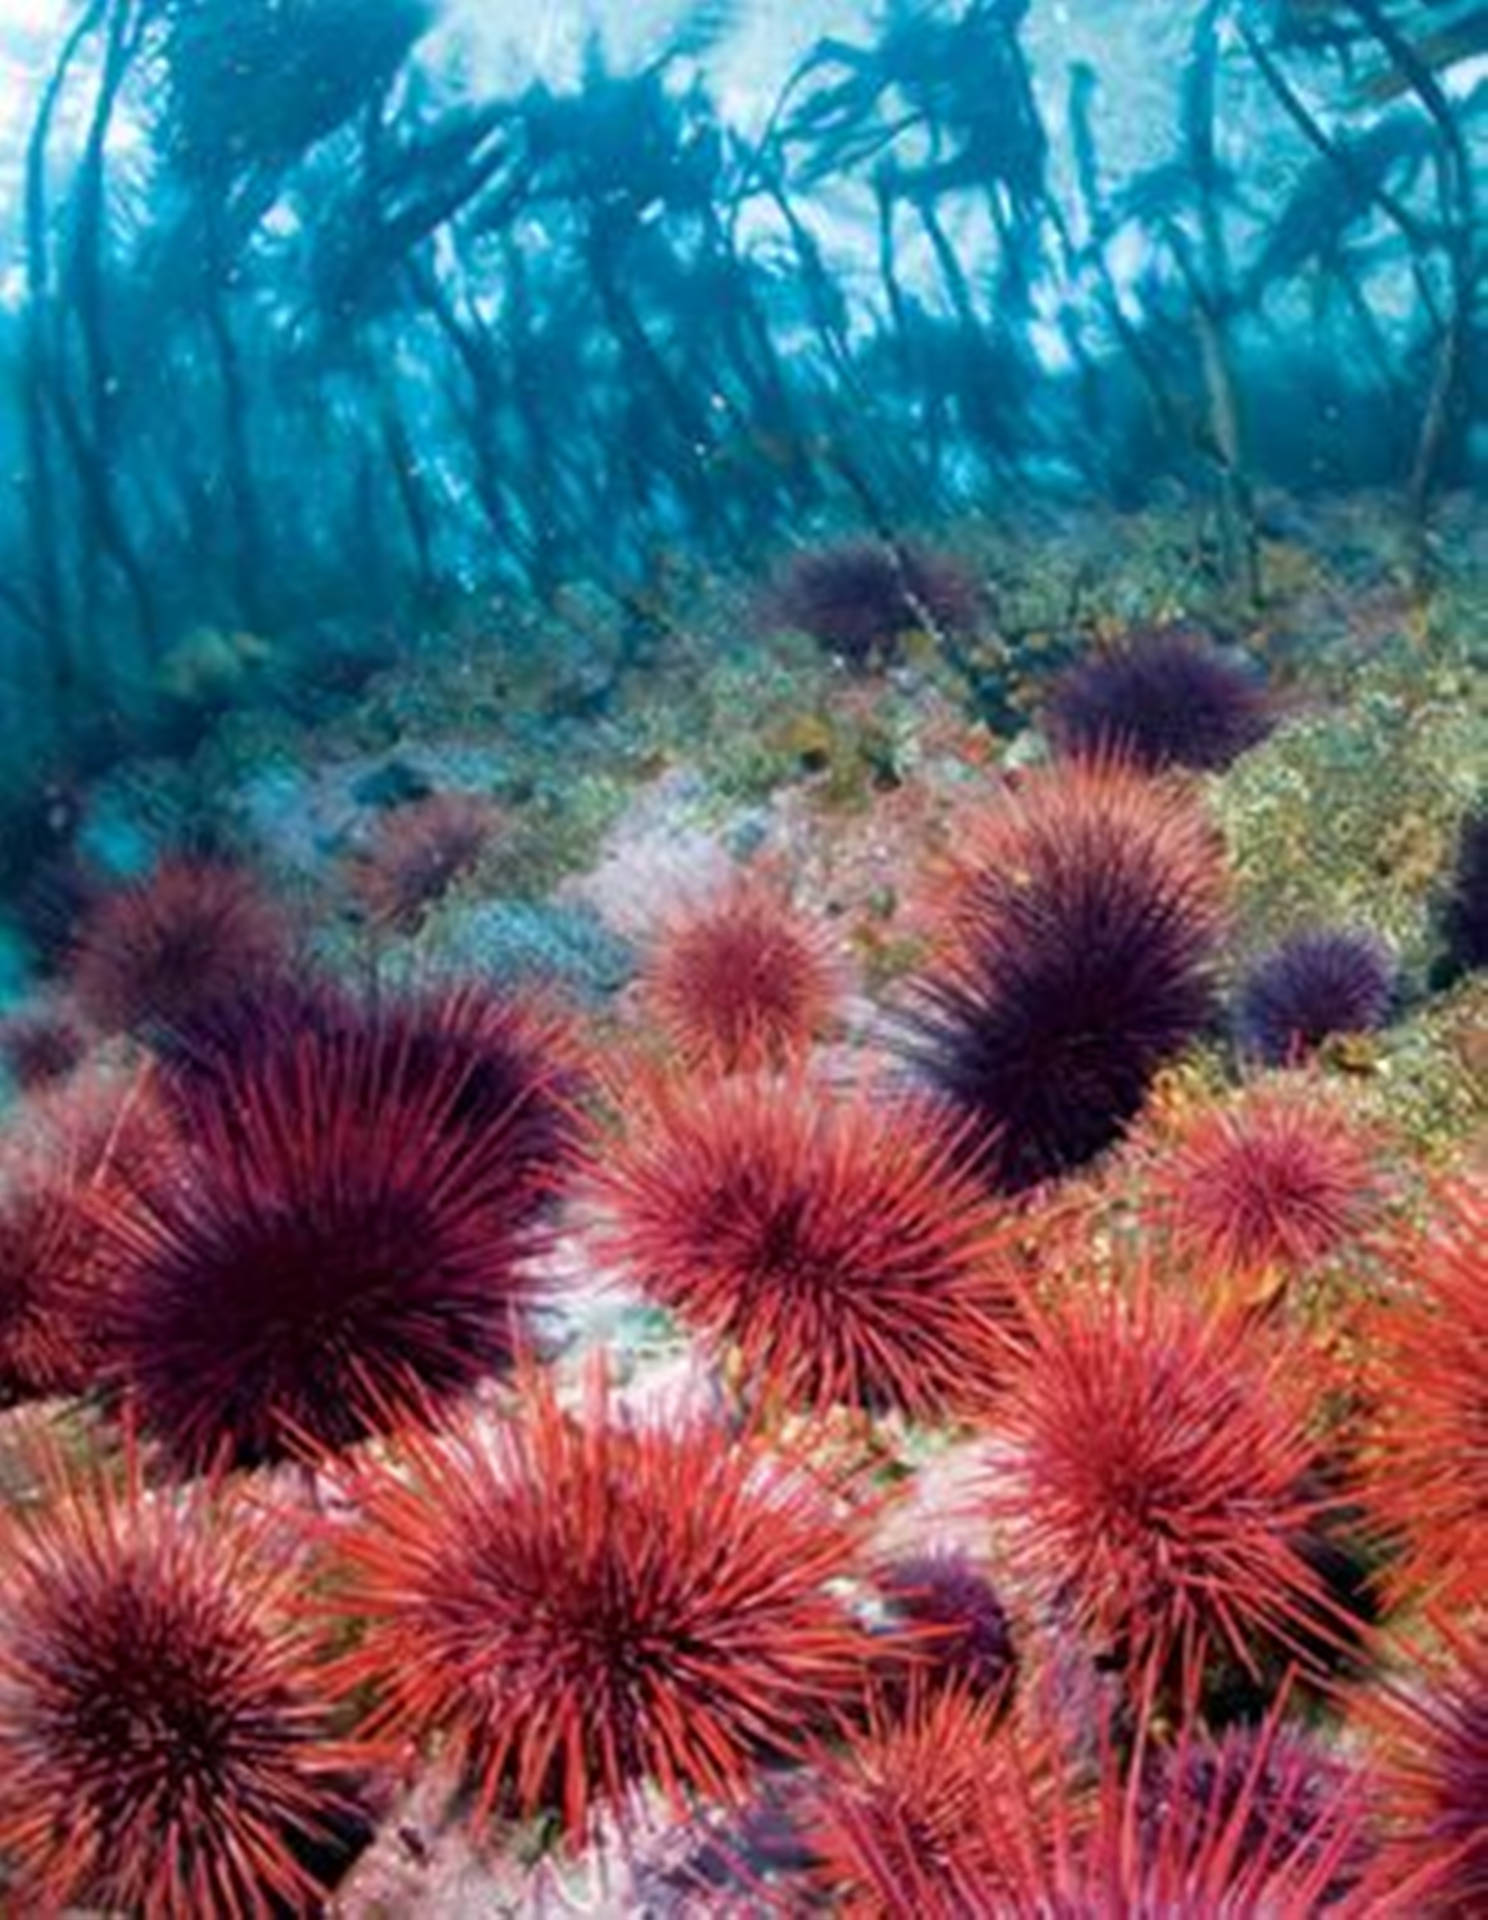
(339, 1239)
(1151, 1479)
(742, 979)
(1425, 1461)
(833, 1247)
(165, 1744)
(1273, 1182)
(72, 1155)
(418, 852)
(1076, 922)
(159, 951)
(580, 1606)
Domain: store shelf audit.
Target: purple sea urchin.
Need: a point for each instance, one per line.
(1465, 918)
(1162, 698)
(946, 1628)
(1311, 987)
(1080, 923)
(859, 599)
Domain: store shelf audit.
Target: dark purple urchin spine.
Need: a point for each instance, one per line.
(1312, 986)
(1163, 698)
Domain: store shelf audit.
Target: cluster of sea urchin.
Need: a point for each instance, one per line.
(335, 1235)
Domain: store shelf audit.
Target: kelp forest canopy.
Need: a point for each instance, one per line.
(311, 326)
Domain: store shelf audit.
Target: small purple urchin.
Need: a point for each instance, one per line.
(946, 1628)
(1313, 985)
(859, 599)
(1465, 919)
(1163, 697)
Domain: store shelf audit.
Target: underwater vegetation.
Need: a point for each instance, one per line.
(927, 267)
(742, 991)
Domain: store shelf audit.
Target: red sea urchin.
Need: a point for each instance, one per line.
(742, 979)
(336, 1241)
(580, 1606)
(931, 1815)
(1150, 1477)
(1079, 916)
(1166, 697)
(836, 1247)
(157, 952)
(1426, 1463)
(165, 1747)
(1273, 1182)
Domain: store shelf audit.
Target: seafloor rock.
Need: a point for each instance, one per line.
(1348, 815)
